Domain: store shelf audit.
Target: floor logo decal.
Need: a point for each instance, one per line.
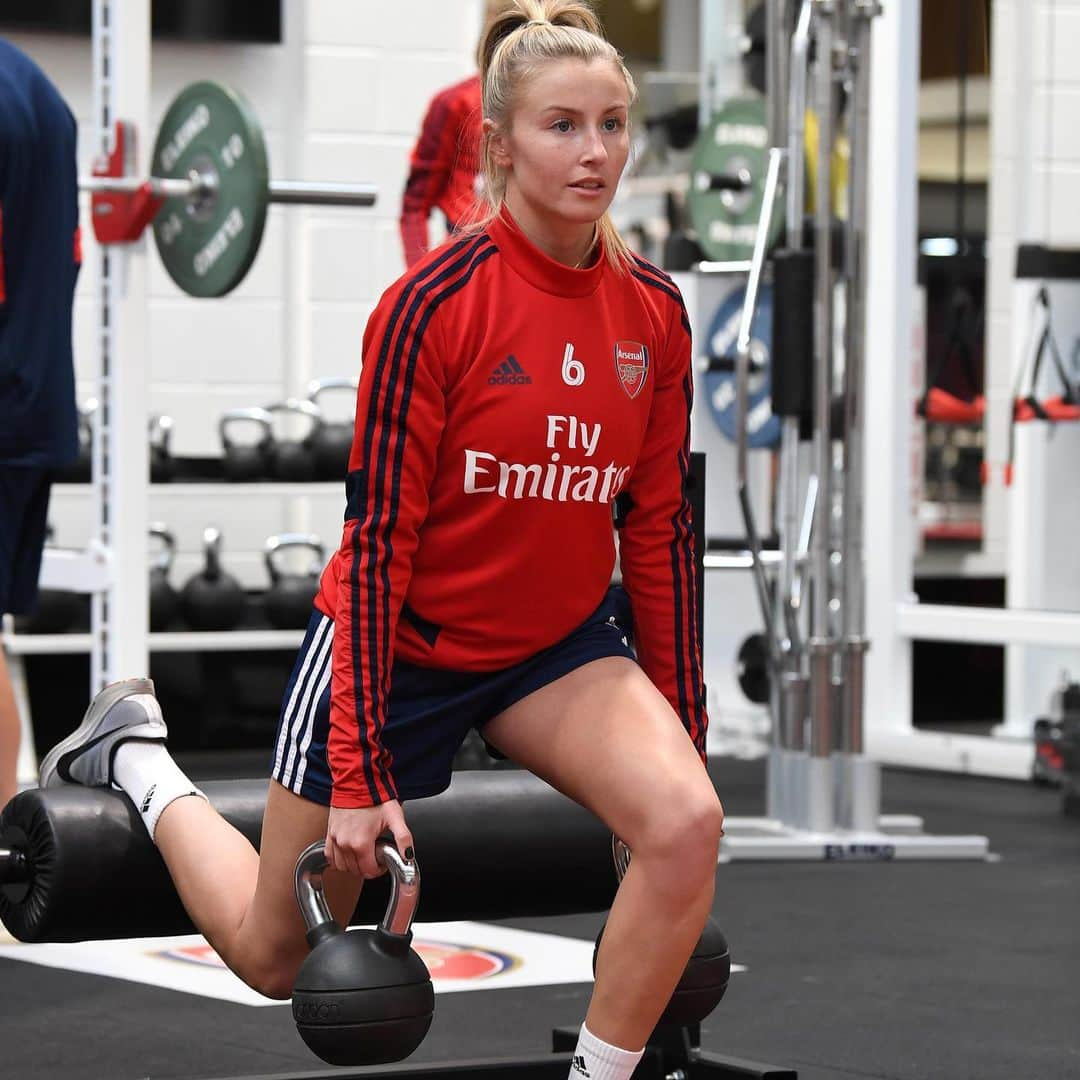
(461, 956)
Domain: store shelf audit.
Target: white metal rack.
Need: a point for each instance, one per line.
(120, 493)
(1030, 525)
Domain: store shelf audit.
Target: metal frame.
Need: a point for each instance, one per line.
(824, 799)
(1014, 517)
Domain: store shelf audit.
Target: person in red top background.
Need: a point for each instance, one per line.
(444, 168)
(514, 383)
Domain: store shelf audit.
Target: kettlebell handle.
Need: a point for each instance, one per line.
(212, 551)
(274, 544)
(339, 382)
(404, 888)
(301, 406)
(160, 531)
(260, 416)
(161, 425)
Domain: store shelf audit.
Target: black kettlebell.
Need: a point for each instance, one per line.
(78, 471)
(362, 997)
(244, 462)
(707, 972)
(291, 457)
(752, 669)
(331, 441)
(290, 596)
(213, 599)
(164, 599)
(162, 465)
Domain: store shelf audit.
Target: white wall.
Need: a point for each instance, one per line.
(341, 98)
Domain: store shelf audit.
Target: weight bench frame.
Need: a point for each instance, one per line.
(674, 1055)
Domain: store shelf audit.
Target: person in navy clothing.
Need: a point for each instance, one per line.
(39, 262)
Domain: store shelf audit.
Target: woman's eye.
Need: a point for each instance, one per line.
(562, 125)
(612, 124)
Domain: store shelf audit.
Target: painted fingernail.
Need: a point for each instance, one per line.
(409, 854)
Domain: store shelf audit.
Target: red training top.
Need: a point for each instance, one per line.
(444, 166)
(505, 399)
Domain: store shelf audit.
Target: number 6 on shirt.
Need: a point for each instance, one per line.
(573, 371)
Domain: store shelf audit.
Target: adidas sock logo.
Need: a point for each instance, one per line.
(578, 1065)
(509, 373)
(147, 799)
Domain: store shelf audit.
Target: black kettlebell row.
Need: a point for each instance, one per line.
(212, 599)
(162, 464)
(364, 997)
(320, 452)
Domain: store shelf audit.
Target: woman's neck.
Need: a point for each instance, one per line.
(572, 244)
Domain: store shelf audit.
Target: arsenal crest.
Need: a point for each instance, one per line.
(632, 366)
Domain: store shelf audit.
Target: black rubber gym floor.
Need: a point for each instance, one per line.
(904, 971)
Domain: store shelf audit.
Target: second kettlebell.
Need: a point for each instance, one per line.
(705, 978)
(331, 440)
(164, 599)
(243, 462)
(291, 457)
(290, 596)
(213, 599)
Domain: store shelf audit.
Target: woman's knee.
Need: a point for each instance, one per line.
(682, 830)
(269, 971)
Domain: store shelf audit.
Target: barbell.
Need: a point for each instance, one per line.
(208, 193)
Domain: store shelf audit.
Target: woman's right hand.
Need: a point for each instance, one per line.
(351, 836)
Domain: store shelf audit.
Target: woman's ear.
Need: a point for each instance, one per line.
(497, 142)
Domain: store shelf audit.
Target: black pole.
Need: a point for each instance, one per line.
(961, 132)
(697, 503)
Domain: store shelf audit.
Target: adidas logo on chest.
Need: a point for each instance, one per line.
(509, 373)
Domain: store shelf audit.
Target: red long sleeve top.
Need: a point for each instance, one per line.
(444, 165)
(504, 401)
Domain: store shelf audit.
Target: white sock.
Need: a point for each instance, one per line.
(150, 777)
(595, 1059)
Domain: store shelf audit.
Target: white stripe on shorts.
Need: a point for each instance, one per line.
(294, 716)
(320, 688)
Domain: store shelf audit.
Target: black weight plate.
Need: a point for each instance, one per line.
(753, 669)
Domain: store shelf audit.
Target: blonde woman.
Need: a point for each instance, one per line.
(514, 383)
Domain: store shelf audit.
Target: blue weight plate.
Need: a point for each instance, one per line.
(763, 428)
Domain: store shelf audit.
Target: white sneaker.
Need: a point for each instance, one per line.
(121, 712)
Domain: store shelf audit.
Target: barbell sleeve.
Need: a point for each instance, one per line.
(320, 193)
(162, 187)
(14, 867)
(740, 181)
(288, 192)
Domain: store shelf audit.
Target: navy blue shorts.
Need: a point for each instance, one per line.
(24, 512)
(431, 710)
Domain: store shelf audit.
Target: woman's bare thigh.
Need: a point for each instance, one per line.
(607, 738)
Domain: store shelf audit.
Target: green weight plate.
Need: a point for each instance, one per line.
(735, 144)
(209, 244)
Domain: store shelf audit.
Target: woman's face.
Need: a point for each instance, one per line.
(567, 142)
